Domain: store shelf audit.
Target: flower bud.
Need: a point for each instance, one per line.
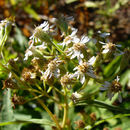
(80, 124)
(29, 74)
(9, 83)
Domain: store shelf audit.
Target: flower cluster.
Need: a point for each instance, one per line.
(76, 50)
(62, 70)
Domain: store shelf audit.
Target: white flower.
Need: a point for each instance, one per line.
(27, 54)
(6, 23)
(75, 96)
(110, 47)
(112, 88)
(83, 70)
(78, 48)
(41, 33)
(70, 38)
(67, 80)
(52, 69)
(33, 49)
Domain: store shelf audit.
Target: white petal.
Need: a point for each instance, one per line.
(103, 35)
(75, 68)
(82, 79)
(29, 53)
(70, 54)
(74, 32)
(105, 51)
(76, 40)
(117, 78)
(82, 56)
(84, 39)
(92, 60)
(77, 53)
(80, 61)
(50, 75)
(102, 42)
(73, 56)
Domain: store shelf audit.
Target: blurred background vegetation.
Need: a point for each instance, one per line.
(89, 17)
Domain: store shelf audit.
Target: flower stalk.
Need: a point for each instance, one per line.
(65, 109)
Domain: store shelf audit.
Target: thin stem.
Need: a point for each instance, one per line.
(46, 94)
(39, 87)
(58, 91)
(30, 89)
(65, 108)
(111, 107)
(2, 55)
(62, 52)
(49, 89)
(39, 96)
(44, 83)
(48, 111)
(3, 41)
(2, 45)
(84, 85)
(102, 105)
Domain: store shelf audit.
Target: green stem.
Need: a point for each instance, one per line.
(39, 96)
(48, 111)
(65, 108)
(39, 87)
(46, 94)
(111, 107)
(102, 105)
(84, 85)
(58, 91)
(44, 83)
(3, 42)
(2, 45)
(62, 52)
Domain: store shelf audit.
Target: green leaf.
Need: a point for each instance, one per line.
(125, 78)
(32, 12)
(7, 111)
(91, 4)
(20, 39)
(112, 67)
(23, 121)
(110, 118)
(70, 1)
